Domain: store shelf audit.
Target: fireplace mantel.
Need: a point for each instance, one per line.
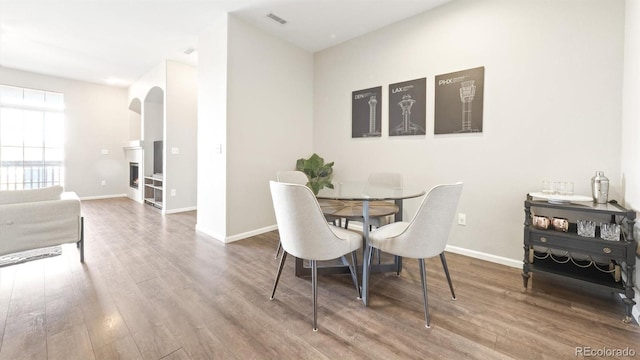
(133, 144)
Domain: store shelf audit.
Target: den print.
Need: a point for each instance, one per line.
(366, 108)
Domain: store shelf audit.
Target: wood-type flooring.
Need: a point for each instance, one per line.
(152, 287)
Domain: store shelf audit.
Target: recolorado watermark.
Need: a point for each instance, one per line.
(587, 351)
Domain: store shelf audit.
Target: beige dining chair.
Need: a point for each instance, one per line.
(291, 177)
(425, 236)
(300, 178)
(305, 234)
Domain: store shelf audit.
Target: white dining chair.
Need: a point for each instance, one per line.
(425, 236)
(300, 178)
(291, 177)
(305, 234)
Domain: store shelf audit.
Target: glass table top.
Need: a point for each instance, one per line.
(362, 190)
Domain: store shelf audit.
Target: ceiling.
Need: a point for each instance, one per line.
(117, 41)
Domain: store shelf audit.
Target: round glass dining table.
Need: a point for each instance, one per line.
(362, 190)
(368, 195)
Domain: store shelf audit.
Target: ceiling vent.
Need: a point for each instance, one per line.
(276, 18)
(189, 51)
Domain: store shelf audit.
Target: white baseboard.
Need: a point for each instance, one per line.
(248, 234)
(209, 233)
(103, 197)
(139, 201)
(228, 239)
(173, 211)
(484, 256)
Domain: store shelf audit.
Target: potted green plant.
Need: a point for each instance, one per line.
(317, 171)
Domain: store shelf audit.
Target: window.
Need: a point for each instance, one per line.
(31, 138)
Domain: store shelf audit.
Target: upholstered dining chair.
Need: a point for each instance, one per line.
(291, 177)
(425, 236)
(305, 234)
(300, 178)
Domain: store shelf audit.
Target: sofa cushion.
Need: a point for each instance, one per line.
(31, 195)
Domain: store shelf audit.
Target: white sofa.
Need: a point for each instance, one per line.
(38, 218)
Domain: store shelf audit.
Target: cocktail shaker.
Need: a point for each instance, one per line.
(600, 188)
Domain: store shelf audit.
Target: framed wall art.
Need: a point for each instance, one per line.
(459, 98)
(407, 108)
(366, 111)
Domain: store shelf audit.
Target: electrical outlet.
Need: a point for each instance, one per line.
(173, 192)
(462, 219)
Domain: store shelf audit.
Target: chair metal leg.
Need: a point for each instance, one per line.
(370, 256)
(278, 249)
(446, 272)
(275, 283)
(353, 268)
(314, 292)
(81, 242)
(423, 277)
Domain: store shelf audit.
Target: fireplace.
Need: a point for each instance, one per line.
(133, 175)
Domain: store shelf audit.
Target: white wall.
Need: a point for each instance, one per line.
(181, 132)
(96, 118)
(631, 123)
(212, 129)
(269, 119)
(631, 113)
(266, 117)
(552, 106)
(135, 119)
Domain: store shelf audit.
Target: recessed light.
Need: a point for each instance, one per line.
(276, 18)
